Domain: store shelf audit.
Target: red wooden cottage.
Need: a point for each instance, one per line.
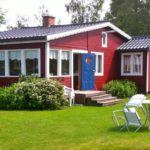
(134, 58)
(81, 56)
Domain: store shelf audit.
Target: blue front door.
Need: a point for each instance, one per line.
(87, 72)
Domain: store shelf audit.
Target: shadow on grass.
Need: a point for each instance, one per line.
(132, 129)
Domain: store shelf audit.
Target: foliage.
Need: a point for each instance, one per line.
(33, 94)
(2, 16)
(38, 18)
(131, 16)
(82, 11)
(24, 21)
(21, 21)
(121, 88)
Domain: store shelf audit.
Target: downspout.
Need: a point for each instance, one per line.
(47, 48)
(147, 72)
(87, 41)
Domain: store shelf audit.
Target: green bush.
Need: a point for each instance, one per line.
(33, 94)
(121, 88)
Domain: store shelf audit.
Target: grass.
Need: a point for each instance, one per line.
(75, 128)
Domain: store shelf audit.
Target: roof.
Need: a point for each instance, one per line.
(54, 32)
(136, 43)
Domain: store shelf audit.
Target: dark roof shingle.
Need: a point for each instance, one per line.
(136, 43)
(41, 32)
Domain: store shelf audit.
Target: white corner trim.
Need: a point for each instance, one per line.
(47, 49)
(86, 29)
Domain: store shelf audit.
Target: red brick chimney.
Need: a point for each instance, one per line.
(48, 21)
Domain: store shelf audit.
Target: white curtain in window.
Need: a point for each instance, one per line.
(31, 54)
(15, 55)
(53, 55)
(137, 59)
(2, 56)
(65, 55)
(127, 63)
(127, 60)
(137, 62)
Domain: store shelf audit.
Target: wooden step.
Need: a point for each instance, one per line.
(101, 96)
(95, 98)
(98, 93)
(109, 102)
(104, 99)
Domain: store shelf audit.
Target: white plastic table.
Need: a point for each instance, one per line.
(147, 102)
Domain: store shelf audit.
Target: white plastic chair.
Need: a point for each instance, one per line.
(130, 115)
(70, 94)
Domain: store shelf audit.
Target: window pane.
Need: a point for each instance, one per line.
(2, 63)
(76, 63)
(65, 63)
(104, 38)
(137, 62)
(32, 62)
(127, 64)
(99, 69)
(14, 62)
(53, 62)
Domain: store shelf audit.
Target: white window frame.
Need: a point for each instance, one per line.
(5, 63)
(14, 50)
(96, 63)
(104, 44)
(57, 62)
(23, 68)
(131, 64)
(59, 67)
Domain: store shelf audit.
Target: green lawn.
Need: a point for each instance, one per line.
(75, 128)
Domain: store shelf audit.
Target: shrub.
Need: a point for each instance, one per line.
(33, 94)
(121, 88)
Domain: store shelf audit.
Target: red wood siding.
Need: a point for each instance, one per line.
(64, 80)
(5, 81)
(139, 80)
(92, 42)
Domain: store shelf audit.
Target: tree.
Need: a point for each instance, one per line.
(21, 21)
(2, 16)
(38, 18)
(24, 21)
(82, 11)
(131, 16)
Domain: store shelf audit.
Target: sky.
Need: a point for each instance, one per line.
(30, 7)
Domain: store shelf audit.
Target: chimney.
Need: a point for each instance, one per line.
(48, 21)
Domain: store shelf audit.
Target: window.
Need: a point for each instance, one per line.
(17, 62)
(2, 63)
(65, 62)
(14, 63)
(99, 63)
(132, 64)
(137, 68)
(127, 64)
(32, 62)
(104, 39)
(53, 62)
